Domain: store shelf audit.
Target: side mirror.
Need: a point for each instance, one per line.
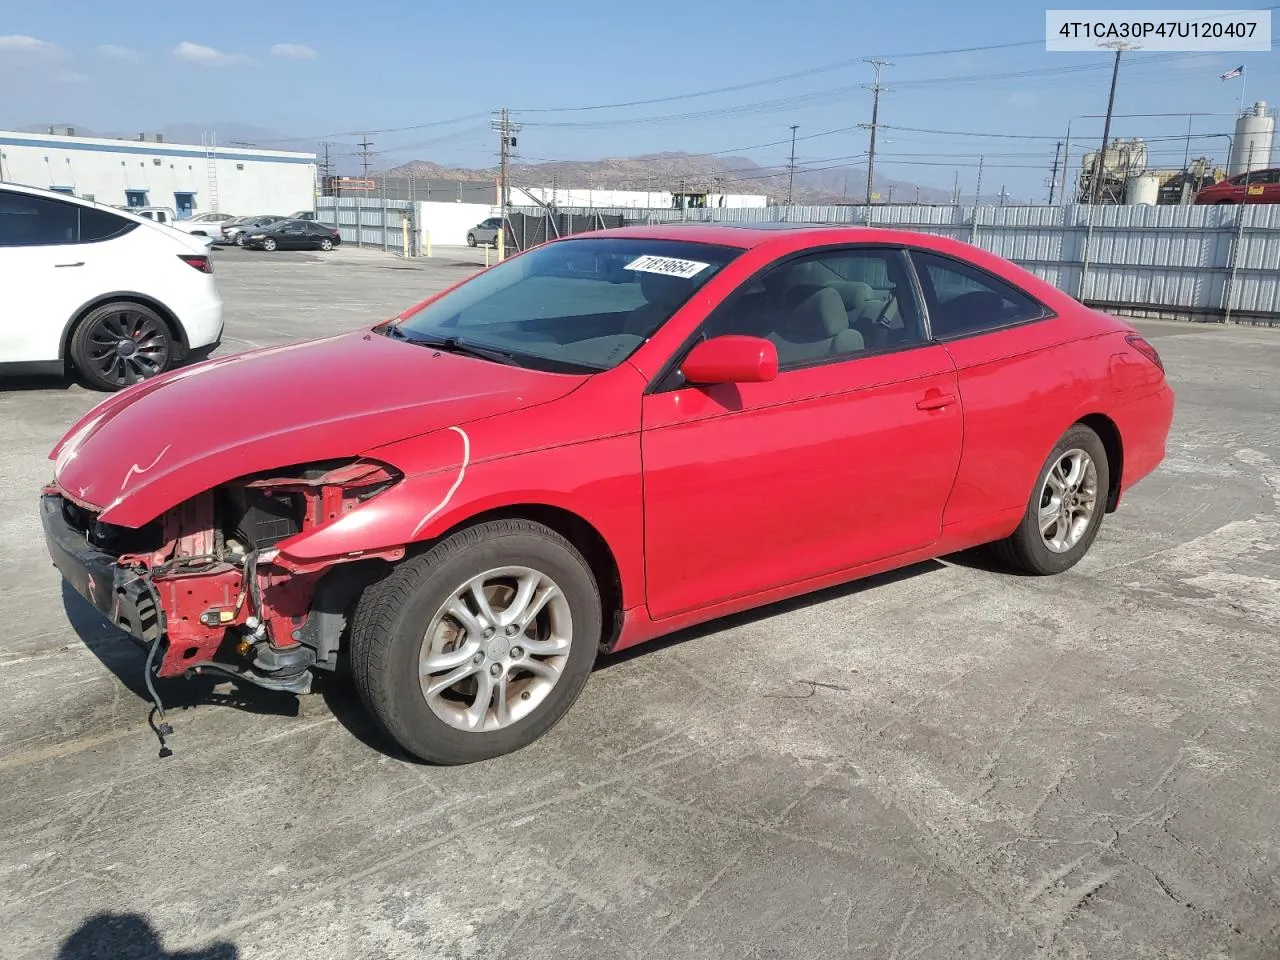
(731, 359)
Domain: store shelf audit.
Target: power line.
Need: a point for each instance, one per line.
(780, 78)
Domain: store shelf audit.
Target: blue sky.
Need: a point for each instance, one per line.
(329, 68)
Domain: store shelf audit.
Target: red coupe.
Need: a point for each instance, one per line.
(604, 439)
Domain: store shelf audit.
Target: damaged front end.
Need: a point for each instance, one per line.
(207, 585)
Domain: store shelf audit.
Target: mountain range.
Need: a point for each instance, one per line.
(658, 171)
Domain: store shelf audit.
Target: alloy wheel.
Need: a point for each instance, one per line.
(1068, 500)
(495, 649)
(127, 346)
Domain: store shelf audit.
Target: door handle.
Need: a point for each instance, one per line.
(79, 263)
(936, 401)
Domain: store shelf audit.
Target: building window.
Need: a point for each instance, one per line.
(135, 198)
(185, 204)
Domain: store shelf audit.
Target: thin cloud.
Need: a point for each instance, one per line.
(112, 52)
(206, 56)
(18, 43)
(293, 51)
(71, 76)
(1023, 101)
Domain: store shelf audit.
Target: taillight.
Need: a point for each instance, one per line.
(1146, 349)
(199, 262)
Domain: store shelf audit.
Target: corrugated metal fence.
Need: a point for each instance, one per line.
(370, 223)
(1201, 263)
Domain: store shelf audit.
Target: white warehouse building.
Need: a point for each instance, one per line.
(190, 178)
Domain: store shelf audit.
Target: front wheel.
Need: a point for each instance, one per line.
(239, 239)
(479, 646)
(471, 239)
(1066, 508)
(120, 344)
(268, 244)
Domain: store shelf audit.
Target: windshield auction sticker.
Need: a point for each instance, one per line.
(667, 266)
(1182, 30)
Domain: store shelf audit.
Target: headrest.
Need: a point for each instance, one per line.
(820, 315)
(855, 293)
(662, 290)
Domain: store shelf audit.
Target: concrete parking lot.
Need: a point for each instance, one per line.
(950, 761)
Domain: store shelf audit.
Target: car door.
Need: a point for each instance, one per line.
(48, 273)
(848, 456)
(1019, 383)
(289, 236)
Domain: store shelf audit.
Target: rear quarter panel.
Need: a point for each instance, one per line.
(1020, 390)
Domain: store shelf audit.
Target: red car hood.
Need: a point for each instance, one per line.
(154, 445)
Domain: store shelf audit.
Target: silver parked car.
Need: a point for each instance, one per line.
(486, 232)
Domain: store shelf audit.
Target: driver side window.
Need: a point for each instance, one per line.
(826, 307)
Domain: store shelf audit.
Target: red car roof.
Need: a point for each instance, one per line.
(747, 235)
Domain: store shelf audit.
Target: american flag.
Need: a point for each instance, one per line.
(1238, 71)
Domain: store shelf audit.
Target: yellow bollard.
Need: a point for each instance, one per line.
(404, 236)
(486, 256)
(502, 242)
(426, 239)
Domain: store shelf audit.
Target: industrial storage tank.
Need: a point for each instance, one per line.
(1251, 146)
(1142, 190)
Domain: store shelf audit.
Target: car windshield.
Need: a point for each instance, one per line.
(580, 305)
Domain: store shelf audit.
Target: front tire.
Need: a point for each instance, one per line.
(1066, 508)
(120, 344)
(479, 646)
(471, 239)
(268, 245)
(239, 239)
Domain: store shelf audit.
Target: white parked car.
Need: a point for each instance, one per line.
(116, 297)
(203, 224)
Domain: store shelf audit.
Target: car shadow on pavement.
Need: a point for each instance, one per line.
(131, 936)
(771, 610)
(29, 382)
(125, 658)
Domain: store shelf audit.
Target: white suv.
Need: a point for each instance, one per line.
(117, 297)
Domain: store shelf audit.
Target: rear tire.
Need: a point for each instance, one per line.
(120, 344)
(326, 244)
(496, 705)
(1056, 531)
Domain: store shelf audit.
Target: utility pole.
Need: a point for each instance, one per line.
(1094, 187)
(917, 195)
(977, 192)
(875, 122)
(791, 167)
(1053, 177)
(506, 131)
(365, 163)
(955, 191)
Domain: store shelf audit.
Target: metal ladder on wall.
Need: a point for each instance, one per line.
(210, 141)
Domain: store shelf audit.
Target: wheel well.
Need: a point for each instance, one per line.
(588, 541)
(1109, 434)
(170, 321)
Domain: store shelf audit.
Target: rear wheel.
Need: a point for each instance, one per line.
(119, 344)
(479, 646)
(326, 244)
(1066, 509)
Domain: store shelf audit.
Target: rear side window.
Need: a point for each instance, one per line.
(964, 300)
(29, 221)
(98, 225)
